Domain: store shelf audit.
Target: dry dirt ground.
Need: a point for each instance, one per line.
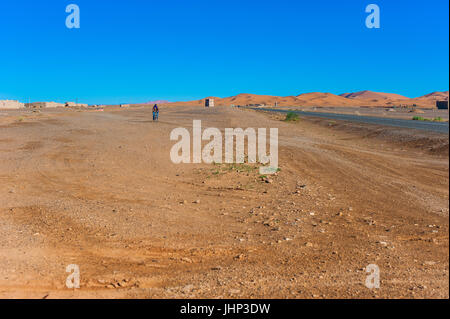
(98, 189)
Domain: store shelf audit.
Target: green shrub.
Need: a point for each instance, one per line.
(419, 118)
(291, 116)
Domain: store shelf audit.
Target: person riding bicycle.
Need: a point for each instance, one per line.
(155, 112)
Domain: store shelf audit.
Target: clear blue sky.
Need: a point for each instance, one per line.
(137, 50)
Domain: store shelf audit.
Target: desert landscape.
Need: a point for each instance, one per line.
(97, 188)
(224, 158)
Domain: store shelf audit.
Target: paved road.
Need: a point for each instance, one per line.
(441, 127)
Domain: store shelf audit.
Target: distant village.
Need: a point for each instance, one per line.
(13, 104)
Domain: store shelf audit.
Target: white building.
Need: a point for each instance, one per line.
(10, 104)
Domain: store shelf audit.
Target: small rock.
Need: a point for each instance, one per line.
(188, 288)
(421, 287)
(186, 259)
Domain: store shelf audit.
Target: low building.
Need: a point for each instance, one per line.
(53, 104)
(10, 104)
(442, 105)
(209, 103)
(73, 104)
(43, 105)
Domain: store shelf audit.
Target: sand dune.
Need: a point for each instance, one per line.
(363, 98)
(436, 95)
(369, 95)
(307, 99)
(323, 99)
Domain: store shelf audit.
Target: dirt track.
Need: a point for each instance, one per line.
(98, 189)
